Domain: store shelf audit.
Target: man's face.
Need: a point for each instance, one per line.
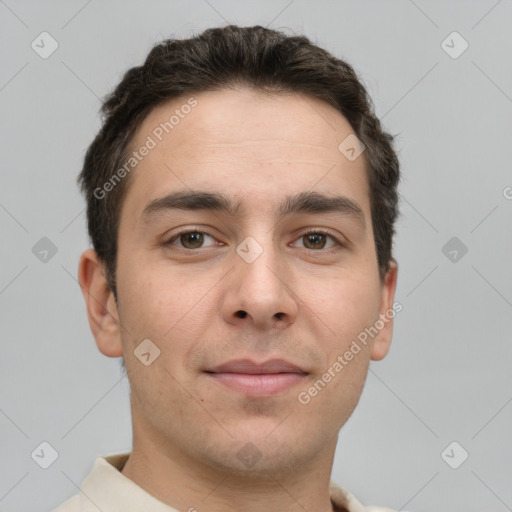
(249, 286)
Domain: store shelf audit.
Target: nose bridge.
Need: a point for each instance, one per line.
(260, 263)
(259, 287)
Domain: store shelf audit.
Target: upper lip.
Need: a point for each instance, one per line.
(250, 367)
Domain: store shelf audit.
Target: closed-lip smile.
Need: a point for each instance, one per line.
(257, 379)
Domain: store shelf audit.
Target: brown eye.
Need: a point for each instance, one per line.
(315, 240)
(191, 240)
(318, 240)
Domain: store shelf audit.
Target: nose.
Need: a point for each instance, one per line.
(260, 292)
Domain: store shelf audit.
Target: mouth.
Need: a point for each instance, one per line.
(257, 379)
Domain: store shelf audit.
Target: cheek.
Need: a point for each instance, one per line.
(171, 309)
(154, 296)
(345, 306)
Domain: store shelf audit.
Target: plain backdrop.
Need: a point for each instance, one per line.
(447, 378)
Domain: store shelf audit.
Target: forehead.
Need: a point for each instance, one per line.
(244, 141)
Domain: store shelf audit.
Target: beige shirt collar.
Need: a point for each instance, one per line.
(105, 488)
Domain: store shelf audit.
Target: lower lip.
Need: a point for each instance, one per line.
(258, 385)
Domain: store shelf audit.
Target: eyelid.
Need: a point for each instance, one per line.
(184, 231)
(339, 240)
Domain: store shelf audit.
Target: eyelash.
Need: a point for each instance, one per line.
(327, 232)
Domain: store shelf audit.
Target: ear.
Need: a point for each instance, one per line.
(382, 340)
(101, 306)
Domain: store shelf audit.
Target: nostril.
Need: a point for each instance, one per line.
(241, 314)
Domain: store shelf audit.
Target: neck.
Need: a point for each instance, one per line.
(176, 479)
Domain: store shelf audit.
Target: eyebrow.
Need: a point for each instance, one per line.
(305, 202)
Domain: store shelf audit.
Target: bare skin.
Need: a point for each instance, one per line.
(304, 299)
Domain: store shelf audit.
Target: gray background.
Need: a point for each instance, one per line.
(447, 377)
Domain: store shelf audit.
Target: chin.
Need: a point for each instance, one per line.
(261, 452)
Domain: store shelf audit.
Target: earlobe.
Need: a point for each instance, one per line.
(101, 307)
(387, 312)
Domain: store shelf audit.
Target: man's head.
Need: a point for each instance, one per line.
(266, 60)
(252, 143)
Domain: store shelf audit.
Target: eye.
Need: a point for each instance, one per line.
(312, 240)
(190, 239)
(317, 240)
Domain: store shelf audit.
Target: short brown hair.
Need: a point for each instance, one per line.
(218, 58)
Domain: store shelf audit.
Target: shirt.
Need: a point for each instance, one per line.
(105, 488)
